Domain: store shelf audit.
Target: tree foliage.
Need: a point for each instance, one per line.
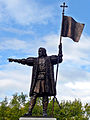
(66, 110)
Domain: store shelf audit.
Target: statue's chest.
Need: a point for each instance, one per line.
(42, 64)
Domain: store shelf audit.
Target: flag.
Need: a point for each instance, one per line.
(71, 28)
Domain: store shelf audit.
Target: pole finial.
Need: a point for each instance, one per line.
(63, 6)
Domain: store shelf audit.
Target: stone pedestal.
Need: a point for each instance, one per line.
(36, 118)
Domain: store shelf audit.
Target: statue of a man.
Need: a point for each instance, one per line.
(43, 83)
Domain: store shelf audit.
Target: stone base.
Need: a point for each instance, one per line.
(36, 118)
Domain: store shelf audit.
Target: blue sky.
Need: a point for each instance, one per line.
(25, 25)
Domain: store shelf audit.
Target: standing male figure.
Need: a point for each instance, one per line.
(43, 83)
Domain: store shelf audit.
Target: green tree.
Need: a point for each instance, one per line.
(87, 110)
(16, 107)
(3, 109)
(66, 110)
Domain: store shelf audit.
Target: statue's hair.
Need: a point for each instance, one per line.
(44, 51)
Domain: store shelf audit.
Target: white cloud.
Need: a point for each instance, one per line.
(25, 12)
(67, 93)
(13, 44)
(79, 85)
(17, 31)
(14, 78)
(78, 53)
(50, 42)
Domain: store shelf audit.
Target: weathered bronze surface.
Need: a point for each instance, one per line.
(71, 28)
(63, 6)
(43, 83)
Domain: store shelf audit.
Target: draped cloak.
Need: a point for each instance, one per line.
(50, 61)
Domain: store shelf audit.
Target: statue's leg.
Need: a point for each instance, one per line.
(45, 105)
(32, 102)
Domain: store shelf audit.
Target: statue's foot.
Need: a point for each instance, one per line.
(44, 114)
(27, 114)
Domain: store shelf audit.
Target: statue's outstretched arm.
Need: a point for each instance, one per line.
(22, 61)
(28, 61)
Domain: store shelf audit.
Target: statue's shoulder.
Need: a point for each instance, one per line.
(53, 59)
(53, 56)
(31, 58)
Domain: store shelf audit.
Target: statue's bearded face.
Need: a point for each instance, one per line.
(42, 52)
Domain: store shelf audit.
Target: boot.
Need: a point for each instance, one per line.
(29, 114)
(44, 113)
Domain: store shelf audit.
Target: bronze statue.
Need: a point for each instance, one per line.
(43, 83)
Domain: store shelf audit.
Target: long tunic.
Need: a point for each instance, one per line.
(46, 80)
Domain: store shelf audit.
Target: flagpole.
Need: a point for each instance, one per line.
(63, 6)
(58, 52)
(62, 21)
